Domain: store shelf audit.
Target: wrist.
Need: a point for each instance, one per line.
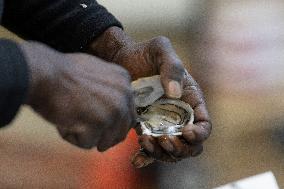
(41, 68)
(107, 45)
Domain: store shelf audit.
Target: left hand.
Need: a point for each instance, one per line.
(153, 57)
(174, 148)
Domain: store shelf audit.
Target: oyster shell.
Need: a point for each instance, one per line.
(147, 90)
(159, 116)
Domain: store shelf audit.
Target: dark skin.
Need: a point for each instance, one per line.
(91, 102)
(175, 148)
(153, 57)
(79, 94)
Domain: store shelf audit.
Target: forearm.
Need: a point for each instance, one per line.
(13, 80)
(68, 26)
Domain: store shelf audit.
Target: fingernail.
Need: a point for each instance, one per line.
(174, 89)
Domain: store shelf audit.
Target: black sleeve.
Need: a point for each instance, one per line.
(13, 80)
(66, 25)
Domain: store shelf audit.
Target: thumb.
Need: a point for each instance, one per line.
(172, 75)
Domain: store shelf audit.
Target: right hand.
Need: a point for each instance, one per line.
(90, 101)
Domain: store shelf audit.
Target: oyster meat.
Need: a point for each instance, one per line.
(157, 115)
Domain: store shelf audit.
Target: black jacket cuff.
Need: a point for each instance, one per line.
(13, 80)
(68, 26)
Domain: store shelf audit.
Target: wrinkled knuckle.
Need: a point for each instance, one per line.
(159, 44)
(162, 40)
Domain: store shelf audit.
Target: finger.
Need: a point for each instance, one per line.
(180, 148)
(86, 137)
(72, 139)
(117, 132)
(107, 141)
(195, 150)
(141, 159)
(169, 65)
(151, 145)
(187, 150)
(166, 143)
(148, 143)
(172, 73)
(79, 135)
(202, 127)
(194, 134)
(112, 136)
(174, 147)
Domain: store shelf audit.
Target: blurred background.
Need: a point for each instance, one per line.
(235, 50)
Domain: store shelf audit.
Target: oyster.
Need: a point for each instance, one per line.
(147, 90)
(165, 117)
(159, 116)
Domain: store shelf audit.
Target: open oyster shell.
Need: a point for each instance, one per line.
(159, 116)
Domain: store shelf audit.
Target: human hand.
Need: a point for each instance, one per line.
(157, 57)
(90, 101)
(153, 57)
(174, 148)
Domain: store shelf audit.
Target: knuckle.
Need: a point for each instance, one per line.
(159, 44)
(179, 67)
(161, 40)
